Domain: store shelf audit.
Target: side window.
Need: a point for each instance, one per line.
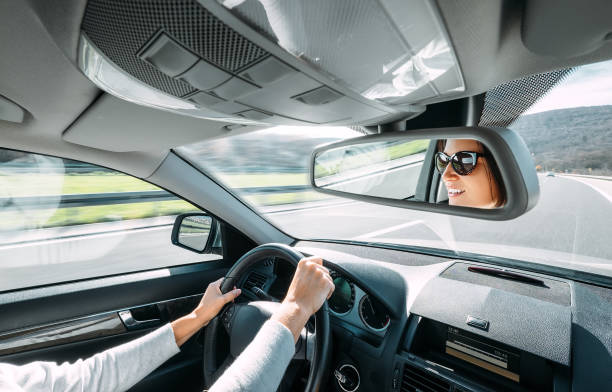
(62, 220)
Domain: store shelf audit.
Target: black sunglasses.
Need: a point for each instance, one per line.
(463, 162)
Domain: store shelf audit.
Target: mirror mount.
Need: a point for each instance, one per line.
(400, 125)
(515, 164)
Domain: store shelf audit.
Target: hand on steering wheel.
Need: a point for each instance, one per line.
(241, 321)
(214, 300)
(310, 287)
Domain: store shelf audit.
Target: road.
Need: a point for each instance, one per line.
(570, 224)
(67, 259)
(573, 216)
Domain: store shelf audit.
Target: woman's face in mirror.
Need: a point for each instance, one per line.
(480, 188)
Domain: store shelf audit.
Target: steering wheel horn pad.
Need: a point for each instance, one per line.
(246, 321)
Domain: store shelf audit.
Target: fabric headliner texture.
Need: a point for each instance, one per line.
(120, 28)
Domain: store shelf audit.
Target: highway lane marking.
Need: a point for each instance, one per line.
(78, 238)
(389, 229)
(309, 208)
(84, 233)
(585, 182)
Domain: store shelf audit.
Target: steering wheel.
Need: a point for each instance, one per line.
(243, 321)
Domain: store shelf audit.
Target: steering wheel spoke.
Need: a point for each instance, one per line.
(227, 317)
(305, 346)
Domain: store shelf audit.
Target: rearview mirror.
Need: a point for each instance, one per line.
(194, 231)
(479, 172)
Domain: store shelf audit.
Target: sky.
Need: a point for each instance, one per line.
(589, 85)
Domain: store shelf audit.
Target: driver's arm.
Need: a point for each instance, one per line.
(262, 364)
(121, 367)
(116, 369)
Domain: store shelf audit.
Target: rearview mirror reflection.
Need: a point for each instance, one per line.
(454, 172)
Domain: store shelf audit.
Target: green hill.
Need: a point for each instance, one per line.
(577, 140)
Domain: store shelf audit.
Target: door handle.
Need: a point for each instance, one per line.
(131, 323)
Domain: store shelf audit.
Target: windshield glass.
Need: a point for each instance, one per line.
(567, 131)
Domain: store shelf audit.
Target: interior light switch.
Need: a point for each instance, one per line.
(205, 99)
(254, 115)
(235, 88)
(318, 96)
(168, 56)
(267, 71)
(229, 107)
(205, 76)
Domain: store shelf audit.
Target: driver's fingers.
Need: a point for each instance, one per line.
(322, 269)
(331, 292)
(314, 259)
(231, 295)
(217, 282)
(332, 286)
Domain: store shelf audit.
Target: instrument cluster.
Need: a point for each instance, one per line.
(351, 303)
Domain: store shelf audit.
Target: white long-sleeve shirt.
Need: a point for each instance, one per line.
(260, 367)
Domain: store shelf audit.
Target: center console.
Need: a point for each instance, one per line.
(467, 332)
(440, 357)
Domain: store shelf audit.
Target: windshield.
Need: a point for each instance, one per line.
(567, 131)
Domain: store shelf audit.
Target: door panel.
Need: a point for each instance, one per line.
(85, 328)
(70, 321)
(44, 305)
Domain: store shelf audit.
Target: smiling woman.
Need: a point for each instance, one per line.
(470, 174)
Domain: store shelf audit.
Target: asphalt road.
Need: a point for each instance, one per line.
(570, 224)
(45, 262)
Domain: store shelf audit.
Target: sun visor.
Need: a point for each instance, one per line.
(259, 62)
(562, 29)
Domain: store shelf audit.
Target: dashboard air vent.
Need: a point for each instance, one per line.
(255, 280)
(417, 380)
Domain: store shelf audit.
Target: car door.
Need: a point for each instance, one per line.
(86, 263)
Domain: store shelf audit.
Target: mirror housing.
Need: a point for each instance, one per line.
(195, 232)
(513, 159)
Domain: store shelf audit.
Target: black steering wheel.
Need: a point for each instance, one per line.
(243, 321)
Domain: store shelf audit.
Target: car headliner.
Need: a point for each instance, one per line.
(38, 47)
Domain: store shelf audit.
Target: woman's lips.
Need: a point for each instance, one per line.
(454, 192)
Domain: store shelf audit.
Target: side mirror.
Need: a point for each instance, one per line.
(195, 231)
(478, 172)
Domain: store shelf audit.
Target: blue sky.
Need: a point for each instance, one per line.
(589, 85)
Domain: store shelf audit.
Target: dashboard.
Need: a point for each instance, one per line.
(410, 322)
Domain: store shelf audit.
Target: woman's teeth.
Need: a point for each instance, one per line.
(455, 192)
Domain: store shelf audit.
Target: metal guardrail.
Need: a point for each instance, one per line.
(110, 198)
